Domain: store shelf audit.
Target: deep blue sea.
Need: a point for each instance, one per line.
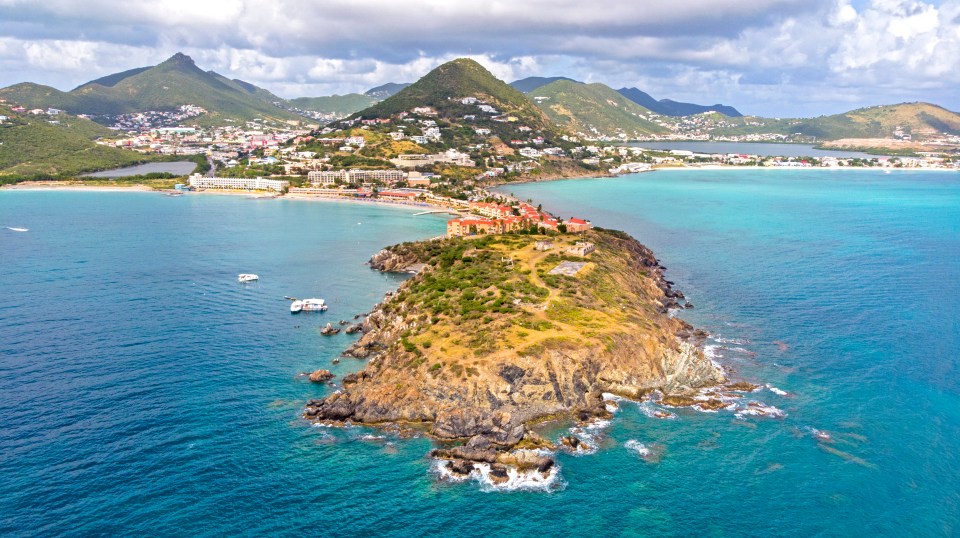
(144, 392)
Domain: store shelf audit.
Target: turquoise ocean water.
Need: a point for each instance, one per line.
(144, 392)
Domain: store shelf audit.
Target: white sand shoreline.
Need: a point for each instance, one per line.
(806, 168)
(60, 187)
(40, 186)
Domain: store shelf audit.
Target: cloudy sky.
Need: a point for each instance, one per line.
(766, 57)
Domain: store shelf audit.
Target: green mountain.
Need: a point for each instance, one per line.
(527, 85)
(33, 95)
(175, 82)
(443, 89)
(32, 147)
(594, 110)
(383, 91)
(669, 107)
(919, 120)
(334, 104)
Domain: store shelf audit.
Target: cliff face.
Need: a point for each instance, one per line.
(486, 341)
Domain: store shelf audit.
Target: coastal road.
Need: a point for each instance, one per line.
(213, 167)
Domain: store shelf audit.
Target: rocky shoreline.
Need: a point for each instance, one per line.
(483, 407)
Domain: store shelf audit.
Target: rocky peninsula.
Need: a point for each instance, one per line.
(499, 333)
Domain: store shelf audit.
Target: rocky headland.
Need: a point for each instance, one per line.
(487, 341)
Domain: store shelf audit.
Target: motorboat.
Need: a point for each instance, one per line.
(314, 305)
(247, 277)
(307, 305)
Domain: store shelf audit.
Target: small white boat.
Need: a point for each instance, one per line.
(307, 305)
(314, 305)
(247, 277)
(14, 229)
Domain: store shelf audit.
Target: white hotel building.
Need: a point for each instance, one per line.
(237, 183)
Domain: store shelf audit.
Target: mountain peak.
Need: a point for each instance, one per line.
(180, 59)
(444, 87)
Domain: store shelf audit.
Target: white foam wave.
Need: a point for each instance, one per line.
(597, 424)
(611, 402)
(516, 480)
(654, 411)
(775, 390)
(819, 435)
(757, 409)
(636, 446)
(731, 341)
(590, 434)
(713, 353)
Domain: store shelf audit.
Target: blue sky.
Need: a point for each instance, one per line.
(766, 57)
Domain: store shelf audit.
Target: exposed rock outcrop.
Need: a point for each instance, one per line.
(320, 376)
(391, 261)
(456, 354)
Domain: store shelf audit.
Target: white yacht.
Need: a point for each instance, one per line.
(314, 305)
(308, 305)
(247, 277)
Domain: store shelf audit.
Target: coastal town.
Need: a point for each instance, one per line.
(309, 154)
(424, 149)
(486, 213)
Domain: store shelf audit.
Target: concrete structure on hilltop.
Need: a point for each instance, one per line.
(237, 183)
(581, 248)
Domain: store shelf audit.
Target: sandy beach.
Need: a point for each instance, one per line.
(393, 203)
(69, 186)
